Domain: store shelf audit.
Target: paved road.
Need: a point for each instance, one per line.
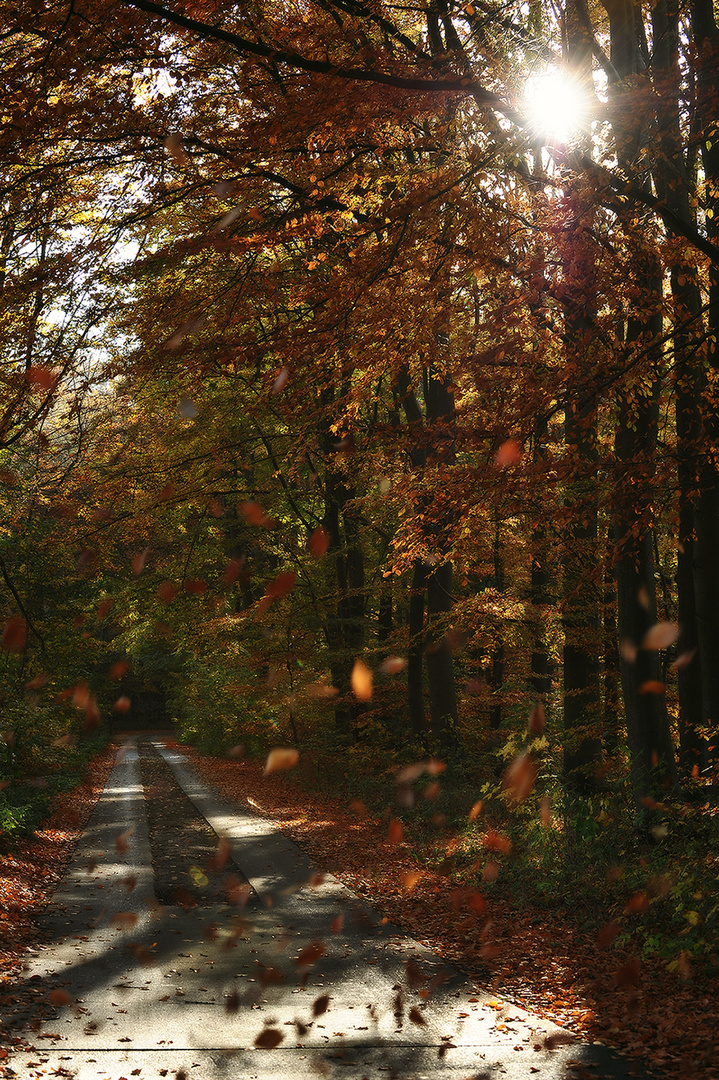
(126, 988)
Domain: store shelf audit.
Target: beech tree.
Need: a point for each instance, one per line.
(333, 252)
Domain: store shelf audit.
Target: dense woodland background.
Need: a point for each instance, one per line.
(348, 407)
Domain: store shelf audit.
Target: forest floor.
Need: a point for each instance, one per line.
(549, 962)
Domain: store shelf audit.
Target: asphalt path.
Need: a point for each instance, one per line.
(295, 977)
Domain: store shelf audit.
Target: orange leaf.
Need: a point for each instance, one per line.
(536, 719)
(361, 681)
(520, 776)
(232, 571)
(509, 453)
(281, 758)
(119, 669)
(476, 810)
(652, 686)
(392, 664)
(60, 997)
(41, 377)
(123, 704)
(255, 515)
(269, 1038)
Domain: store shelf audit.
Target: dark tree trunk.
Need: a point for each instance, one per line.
(415, 691)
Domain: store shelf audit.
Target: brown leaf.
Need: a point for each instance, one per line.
(629, 973)
(41, 377)
(125, 920)
(121, 840)
(310, 954)
(319, 542)
(281, 758)
(60, 997)
(607, 934)
(195, 586)
(119, 669)
(652, 686)
(269, 1038)
(361, 681)
(558, 1038)
(417, 1017)
(495, 841)
(232, 1002)
(320, 1005)
(536, 719)
(167, 591)
(138, 563)
(520, 776)
(14, 635)
(232, 571)
(476, 810)
(395, 833)
(123, 704)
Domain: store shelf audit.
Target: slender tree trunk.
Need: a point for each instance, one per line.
(415, 691)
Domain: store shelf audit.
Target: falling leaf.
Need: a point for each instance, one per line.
(417, 1017)
(269, 1038)
(119, 669)
(519, 778)
(124, 920)
(558, 1038)
(395, 833)
(361, 681)
(628, 650)
(639, 903)
(643, 597)
(121, 841)
(683, 661)
(14, 634)
(509, 453)
(195, 586)
(496, 841)
(320, 1005)
(321, 690)
(221, 855)
(410, 879)
(411, 772)
(173, 145)
(661, 635)
(629, 973)
(255, 515)
(310, 954)
(359, 809)
(167, 591)
(186, 407)
(281, 380)
(37, 682)
(92, 715)
(536, 719)
(337, 924)
(281, 758)
(391, 665)
(607, 934)
(319, 542)
(60, 997)
(41, 377)
(652, 686)
(138, 563)
(232, 571)
(232, 1002)
(476, 810)
(435, 766)
(123, 704)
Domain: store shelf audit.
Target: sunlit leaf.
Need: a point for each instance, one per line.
(281, 380)
(391, 665)
(361, 681)
(519, 778)
(661, 636)
(281, 758)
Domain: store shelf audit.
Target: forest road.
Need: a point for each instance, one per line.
(294, 977)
